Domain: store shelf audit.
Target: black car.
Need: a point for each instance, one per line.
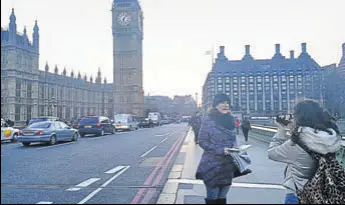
(98, 125)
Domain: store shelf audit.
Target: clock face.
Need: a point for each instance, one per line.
(124, 18)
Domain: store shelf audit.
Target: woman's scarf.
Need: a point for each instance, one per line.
(226, 121)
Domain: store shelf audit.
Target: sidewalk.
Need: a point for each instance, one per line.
(261, 187)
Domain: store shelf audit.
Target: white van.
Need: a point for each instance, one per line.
(155, 117)
(125, 122)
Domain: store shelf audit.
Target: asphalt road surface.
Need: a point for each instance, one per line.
(128, 167)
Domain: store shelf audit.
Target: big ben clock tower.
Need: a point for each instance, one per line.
(127, 57)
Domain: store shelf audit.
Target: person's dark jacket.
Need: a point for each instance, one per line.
(195, 121)
(246, 124)
(216, 168)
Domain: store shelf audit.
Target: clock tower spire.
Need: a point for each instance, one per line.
(127, 29)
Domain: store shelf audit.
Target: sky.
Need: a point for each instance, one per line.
(76, 34)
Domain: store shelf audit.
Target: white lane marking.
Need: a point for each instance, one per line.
(243, 185)
(90, 196)
(84, 184)
(52, 146)
(45, 202)
(163, 135)
(103, 186)
(114, 170)
(146, 153)
(164, 140)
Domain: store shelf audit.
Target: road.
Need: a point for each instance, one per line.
(128, 167)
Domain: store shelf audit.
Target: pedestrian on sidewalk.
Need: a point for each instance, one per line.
(238, 124)
(195, 122)
(245, 125)
(217, 134)
(313, 128)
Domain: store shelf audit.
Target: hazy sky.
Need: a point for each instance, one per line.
(77, 34)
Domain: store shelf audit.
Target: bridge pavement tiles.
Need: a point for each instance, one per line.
(260, 187)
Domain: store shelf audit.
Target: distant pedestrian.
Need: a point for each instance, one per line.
(245, 125)
(238, 124)
(217, 134)
(195, 122)
(313, 134)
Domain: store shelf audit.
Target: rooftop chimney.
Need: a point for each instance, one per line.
(277, 48)
(304, 48)
(247, 50)
(222, 48)
(292, 54)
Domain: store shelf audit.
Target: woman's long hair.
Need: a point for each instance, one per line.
(309, 113)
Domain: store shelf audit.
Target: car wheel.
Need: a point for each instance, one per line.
(52, 140)
(82, 135)
(75, 137)
(26, 144)
(14, 138)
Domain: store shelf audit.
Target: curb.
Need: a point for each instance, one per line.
(169, 193)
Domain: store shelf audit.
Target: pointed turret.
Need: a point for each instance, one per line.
(12, 27)
(64, 72)
(99, 76)
(46, 68)
(36, 37)
(56, 70)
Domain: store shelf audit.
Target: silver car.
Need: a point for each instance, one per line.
(49, 132)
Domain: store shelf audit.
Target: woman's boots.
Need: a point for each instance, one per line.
(218, 201)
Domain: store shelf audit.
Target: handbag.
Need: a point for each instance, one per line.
(242, 162)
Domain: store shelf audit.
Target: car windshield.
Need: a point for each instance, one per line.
(89, 120)
(121, 118)
(40, 125)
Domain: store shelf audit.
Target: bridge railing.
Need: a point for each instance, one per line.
(265, 134)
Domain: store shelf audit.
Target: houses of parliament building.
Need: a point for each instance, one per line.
(28, 92)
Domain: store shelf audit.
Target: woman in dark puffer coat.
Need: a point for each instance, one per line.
(217, 134)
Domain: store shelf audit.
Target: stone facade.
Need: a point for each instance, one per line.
(178, 106)
(265, 87)
(127, 50)
(27, 92)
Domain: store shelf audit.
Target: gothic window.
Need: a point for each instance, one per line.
(17, 113)
(18, 88)
(28, 112)
(29, 91)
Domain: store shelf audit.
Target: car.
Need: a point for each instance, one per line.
(75, 123)
(42, 119)
(7, 132)
(50, 132)
(125, 122)
(146, 122)
(97, 125)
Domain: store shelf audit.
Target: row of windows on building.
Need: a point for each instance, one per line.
(24, 90)
(266, 92)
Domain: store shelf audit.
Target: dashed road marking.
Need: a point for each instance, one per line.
(83, 184)
(114, 170)
(164, 140)
(148, 152)
(86, 199)
(45, 202)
